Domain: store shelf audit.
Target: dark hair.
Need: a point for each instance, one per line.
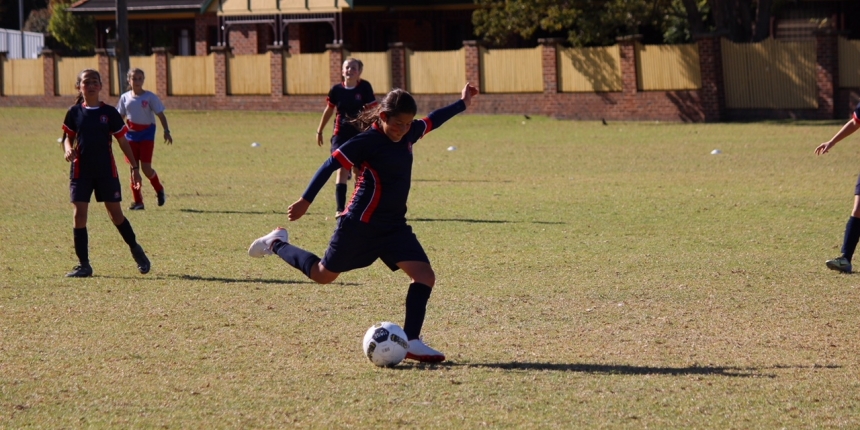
(394, 103)
(80, 98)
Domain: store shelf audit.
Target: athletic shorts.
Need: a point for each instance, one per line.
(142, 151)
(338, 140)
(357, 244)
(106, 189)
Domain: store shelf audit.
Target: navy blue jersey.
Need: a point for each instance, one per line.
(857, 113)
(382, 186)
(93, 127)
(349, 102)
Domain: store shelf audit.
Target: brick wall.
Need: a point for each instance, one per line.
(706, 104)
(243, 38)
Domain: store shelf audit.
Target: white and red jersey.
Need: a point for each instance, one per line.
(139, 110)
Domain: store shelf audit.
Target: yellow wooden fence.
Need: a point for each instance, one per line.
(308, 73)
(249, 74)
(191, 75)
(24, 77)
(512, 70)
(435, 72)
(145, 63)
(590, 69)
(668, 67)
(770, 75)
(849, 63)
(377, 69)
(67, 71)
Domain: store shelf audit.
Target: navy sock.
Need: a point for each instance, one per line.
(416, 309)
(296, 257)
(340, 196)
(852, 235)
(127, 233)
(82, 245)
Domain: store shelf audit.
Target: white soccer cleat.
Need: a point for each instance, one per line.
(419, 351)
(263, 246)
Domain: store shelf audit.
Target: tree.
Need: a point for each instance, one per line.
(599, 22)
(38, 20)
(73, 31)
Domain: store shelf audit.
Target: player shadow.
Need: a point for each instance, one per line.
(483, 221)
(615, 369)
(463, 181)
(256, 280)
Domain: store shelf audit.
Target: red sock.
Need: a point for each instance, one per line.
(156, 183)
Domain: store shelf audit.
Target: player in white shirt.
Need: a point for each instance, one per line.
(140, 107)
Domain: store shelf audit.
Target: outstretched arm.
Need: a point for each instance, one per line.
(297, 209)
(850, 127)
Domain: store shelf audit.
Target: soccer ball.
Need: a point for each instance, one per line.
(385, 344)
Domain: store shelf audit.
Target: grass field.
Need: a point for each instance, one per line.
(589, 276)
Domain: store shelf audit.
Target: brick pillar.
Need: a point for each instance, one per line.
(277, 65)
(201, 32)
(398, 65)
(826, 70)
(629, 81)
(162, 73)
(2, 82)
(294, 39)
(104, 71)
(712, 94)
(335, 61)
(221, 54)
(473, 62)
(549, 63)
(49, 72)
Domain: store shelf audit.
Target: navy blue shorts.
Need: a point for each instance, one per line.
(357, 244)
(338, 140)
(107, 190)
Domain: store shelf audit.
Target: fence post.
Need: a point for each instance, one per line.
(826, 70)
(162, 76)
(221, 54)
(277, 65)
(473, 62)
(49, 72)
(398, 65)
(2, 78)
(549, 63)
(627, 46)
(104, 70)
(712, 94)
(335, 62)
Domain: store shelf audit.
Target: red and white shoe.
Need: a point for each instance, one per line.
(263, 246)
(421, 352)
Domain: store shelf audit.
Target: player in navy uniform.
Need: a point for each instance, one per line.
(348, 98)
(374, 223)
(852, 229)
(88, 128)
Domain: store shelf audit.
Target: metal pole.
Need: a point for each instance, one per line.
(122, 42)
(21, 25)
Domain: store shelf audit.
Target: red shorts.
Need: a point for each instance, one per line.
(142, 151)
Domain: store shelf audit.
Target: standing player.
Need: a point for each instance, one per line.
(852, 229)
(348, 98)
(88, 127)
(140, 107)
(374, 225)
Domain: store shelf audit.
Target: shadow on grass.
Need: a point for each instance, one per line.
(613, 369)
(200, 211)
(482, 221)
(463, 180)
(252, 281)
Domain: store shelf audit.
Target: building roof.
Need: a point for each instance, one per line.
(105, 6)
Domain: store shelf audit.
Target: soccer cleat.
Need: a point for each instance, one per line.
(841, 264)
(140, 259)
(136, 207)
(82, 271)
(161, 198)
(419, 351)
(263, 246)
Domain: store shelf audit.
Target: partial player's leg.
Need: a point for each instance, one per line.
(147, 148)
(136, 193)
(849, 241)
(81, 240)
(123, 225)
(423, 279)
(340, 187)
(277, 242)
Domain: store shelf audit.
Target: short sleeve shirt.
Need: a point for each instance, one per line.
(140, 109)
(91, 131)
(349, 102)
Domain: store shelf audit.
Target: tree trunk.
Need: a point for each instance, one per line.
(693, 16)
(762, 20)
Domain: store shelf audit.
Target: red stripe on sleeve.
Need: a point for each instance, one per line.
(121, 132)
(342, 159)
(428, 126)
(69, 132)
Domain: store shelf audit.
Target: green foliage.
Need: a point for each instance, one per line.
(588, 276)
(76, 32)
(38, 20)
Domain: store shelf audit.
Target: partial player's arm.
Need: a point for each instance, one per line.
(439, 116)
(849, 128)
(297, 209)
(129, 153)
(167, 137)
(327, 113)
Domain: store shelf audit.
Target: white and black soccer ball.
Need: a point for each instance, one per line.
(385, 344)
